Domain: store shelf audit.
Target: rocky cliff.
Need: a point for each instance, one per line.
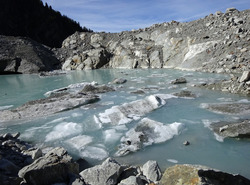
(217, 43)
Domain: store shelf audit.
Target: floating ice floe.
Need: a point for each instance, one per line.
(94, 152)
(5, 107)
(79, 142)
(111, 135)
(172, 161)
(147, 132)
(63, 130)
(134, 110)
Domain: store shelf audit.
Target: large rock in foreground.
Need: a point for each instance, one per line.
(23, 55)
(105, 174)
(55, 167)
(47, 106)
(200, 175)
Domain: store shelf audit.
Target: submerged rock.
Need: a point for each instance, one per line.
(147, 132)
(94, 89)
(185, 94)
(180, 80)
(240, 129)
(47, 106)
(196, 175)
(229, 108)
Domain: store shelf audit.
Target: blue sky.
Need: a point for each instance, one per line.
(121, 15)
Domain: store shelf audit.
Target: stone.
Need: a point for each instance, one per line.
(132, 180)
(55, 167)
(105, 174)
(34, 153)
(245, 76)
(94, 89)
(196, 175)
(229, 10)
(152, 171)
(186, 143)
(180, 80)
(218, 13)
(185, 94)
(119, 81)
(239, 129)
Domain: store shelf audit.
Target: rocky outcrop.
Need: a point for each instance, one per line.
(47, 106)
(54, 167)
(196, 175)
(23, 55)
(206, 44)
(239, 129)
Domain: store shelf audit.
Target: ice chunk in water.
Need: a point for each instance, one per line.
(146, 133)
(5, 107)
(172, 161)
(94, 152)
(128, 112)
(63, 130)
(79, 142)
(111, 135)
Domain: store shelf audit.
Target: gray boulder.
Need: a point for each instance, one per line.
(245, 76)
(240, 129)
(119, 81)
(132, 180)
(152, 171)
(180, 80)
(105, 174)
(199, 175)
(55, 167)
(95, 89)
(185, 94)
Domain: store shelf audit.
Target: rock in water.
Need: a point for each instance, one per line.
(47, 106)
(240, 129)
(197, 175)
(55, 167)
(180, 80)
(105, 174)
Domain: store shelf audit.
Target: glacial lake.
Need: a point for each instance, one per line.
(78, 131)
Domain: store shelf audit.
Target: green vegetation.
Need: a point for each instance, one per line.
(31, 18)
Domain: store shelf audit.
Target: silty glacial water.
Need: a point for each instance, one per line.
(82, 133)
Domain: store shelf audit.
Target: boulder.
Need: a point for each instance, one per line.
(132, 180)
(152, 171)
(119, 81)
(55, 167)
(197, 175)
(185, 94)
(94, 89)
(240, 129)
(245, 76)
(180, 80)
(105, 174)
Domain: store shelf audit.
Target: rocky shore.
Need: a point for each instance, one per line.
(21, 163)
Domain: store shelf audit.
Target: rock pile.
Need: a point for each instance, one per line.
(22, 164)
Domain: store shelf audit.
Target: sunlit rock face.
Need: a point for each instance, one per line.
(206, 44)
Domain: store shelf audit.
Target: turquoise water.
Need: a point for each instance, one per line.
(82, 136)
